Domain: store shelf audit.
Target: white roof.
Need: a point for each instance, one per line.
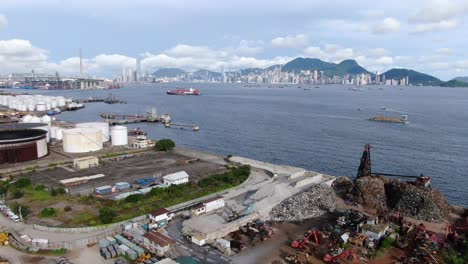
(167, 261)
(176, 176)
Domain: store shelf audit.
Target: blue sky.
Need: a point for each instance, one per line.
(428, 36)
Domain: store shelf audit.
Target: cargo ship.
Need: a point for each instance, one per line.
(181, 91)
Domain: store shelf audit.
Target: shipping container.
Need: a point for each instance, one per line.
(103, 243)
(122, 186)
(131, 254)
(104, 189)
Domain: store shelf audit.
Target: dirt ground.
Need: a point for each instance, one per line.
(149, 164)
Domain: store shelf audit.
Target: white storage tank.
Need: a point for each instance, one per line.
(26, 118)
(59, 135)
(53, 132)
(103, 126)
(119, 135)
(34, 119)
(46, 120)
(83, 139)
(41, 107)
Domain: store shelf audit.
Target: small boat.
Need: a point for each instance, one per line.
(181, 91)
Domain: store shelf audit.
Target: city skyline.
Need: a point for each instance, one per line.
(210, 35)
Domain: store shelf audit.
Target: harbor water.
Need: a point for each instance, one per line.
(321, 129)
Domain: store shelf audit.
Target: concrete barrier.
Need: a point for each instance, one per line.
(87, 228)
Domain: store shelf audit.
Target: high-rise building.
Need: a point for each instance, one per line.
(138, 69)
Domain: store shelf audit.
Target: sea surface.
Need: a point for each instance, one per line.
(321, 129)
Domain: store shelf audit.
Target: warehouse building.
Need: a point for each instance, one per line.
(209, 205)
(85, 162)
(177, 178)
(22, 145)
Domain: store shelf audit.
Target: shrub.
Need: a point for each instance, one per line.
(61, 190)
(16, 194)
(15, 208)
(39, 187)
(22, 182)
(67, 208)
(47, 212)
(106, 215)
(134, 198)
(53, 191)
(164, 145)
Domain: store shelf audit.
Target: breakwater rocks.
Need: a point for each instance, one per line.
(312, 202)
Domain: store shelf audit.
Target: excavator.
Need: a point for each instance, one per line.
(365, 169)
(300, 243)
(344, 255)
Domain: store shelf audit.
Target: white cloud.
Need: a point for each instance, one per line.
(19, 54)
(290, 41)
(194, 57)
(3, 21)
(439, 15)
(388, 25)
(444, 51)
(441, 10)
(374, 59)
(435, 26)
(249, 47)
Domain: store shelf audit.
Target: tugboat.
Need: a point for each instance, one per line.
(181, 91)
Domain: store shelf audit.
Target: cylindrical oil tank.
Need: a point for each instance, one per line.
(19, 126)
(59, 135)
(53, 132)
(41, 107)
(103, 126)
(18, 145)
(80, 140)
(26, 118)
(119, 135)
(46, 119)
(35, 119)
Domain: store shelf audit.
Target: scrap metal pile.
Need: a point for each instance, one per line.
(415, 199)
(313, 202)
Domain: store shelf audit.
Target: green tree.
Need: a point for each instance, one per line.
(164, 145)
(16, 194)
(106, 215)
(22, 182)
(134, 198)
(47, 212)
(15, 208)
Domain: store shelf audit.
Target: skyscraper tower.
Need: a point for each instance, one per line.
(81, 64)
(138, 69)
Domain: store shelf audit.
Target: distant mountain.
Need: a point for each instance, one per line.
(462, 79)
(454, 83)
(330, 69)
(206, 75)
(415, 78)
(169, 72)
(251, 71)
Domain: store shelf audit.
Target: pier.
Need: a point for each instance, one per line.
(118, 119)
(111, 99)
(182, 126)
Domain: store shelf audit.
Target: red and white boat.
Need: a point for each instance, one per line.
(181, 91)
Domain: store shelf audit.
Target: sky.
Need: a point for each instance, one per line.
(425, 35)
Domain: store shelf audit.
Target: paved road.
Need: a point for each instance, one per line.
(186, 248)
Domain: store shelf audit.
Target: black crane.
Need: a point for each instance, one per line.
(365, 169)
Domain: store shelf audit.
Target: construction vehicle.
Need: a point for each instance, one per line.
(358, 239)
(300, 243)
(4, 240)
(143, 257)
(365, 169)
(344, 255)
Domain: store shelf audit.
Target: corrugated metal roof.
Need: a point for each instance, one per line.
(176, 176)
